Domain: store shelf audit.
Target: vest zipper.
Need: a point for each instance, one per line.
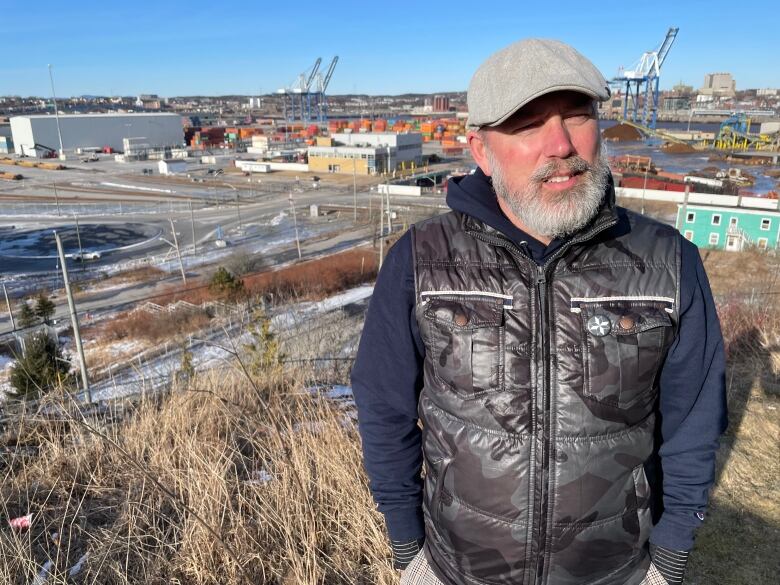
(541, 291)
(541, 284)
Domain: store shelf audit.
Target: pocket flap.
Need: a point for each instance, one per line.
(466, 314)
(629, 318)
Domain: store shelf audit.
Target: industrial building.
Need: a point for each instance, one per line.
(719, 84)
(366, 153)
(37, 135)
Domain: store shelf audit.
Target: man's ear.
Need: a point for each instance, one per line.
(478, 148)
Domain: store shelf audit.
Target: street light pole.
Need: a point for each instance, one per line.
(10, 312)
(354, 190)
(56, 113)
(74, 319)
(56, 197)
(295, 223)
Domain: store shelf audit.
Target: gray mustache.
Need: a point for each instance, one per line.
(571, 166)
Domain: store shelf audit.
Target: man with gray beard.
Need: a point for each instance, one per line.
(540, 379)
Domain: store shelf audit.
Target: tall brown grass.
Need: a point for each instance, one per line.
(266, 467)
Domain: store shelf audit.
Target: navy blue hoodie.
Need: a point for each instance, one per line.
(387, 379)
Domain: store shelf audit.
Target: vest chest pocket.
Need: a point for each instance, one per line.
(465, 338)
(623, 344)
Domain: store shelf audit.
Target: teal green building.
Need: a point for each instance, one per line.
(729, 228)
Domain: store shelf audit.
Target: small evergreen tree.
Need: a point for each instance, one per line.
(44, 308)
(27, 316)
(224, 283)
(40, 369)
(264, 350)
(186, 369)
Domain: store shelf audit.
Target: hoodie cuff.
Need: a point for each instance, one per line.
(405, 524)
(670, 563)
(405, 551)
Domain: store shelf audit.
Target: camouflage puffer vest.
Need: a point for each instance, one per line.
(540, 385)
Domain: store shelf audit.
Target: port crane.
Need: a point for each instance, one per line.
(644, 79)
(300, 102)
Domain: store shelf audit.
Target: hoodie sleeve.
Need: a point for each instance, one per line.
(692, 408)
(386, 382)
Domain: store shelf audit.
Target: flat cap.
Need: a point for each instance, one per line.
(522, 72)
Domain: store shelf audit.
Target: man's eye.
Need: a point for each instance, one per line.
(527, 125)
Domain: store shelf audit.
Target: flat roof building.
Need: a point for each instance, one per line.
(367, 153)
(34, 135)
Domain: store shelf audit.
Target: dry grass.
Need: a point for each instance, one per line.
(136, 275)
(748, 272)
(316, 279)
(737, 544)
(309, 280)
(157, 327)
(202, 450)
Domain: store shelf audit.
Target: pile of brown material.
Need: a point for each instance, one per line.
(677, 148)
(622, 133)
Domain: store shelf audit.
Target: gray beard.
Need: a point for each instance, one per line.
(555, 214)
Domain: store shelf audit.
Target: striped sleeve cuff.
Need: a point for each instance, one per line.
(404, 551)
(670, 563)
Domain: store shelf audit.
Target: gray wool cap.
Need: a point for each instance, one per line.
(522, 72)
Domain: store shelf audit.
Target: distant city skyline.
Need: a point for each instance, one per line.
(198, 48)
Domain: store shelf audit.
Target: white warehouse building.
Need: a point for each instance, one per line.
(33, 135)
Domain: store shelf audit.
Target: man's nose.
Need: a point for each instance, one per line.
(557, 140)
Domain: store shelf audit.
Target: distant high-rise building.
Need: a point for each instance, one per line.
(719, 84)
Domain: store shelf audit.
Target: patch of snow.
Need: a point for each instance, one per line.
(76, 569)
(278, 219)
(260, 477)
(137, 188)
(6, 362)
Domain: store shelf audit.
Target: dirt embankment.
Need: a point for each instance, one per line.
(622, 133)
(677, 148)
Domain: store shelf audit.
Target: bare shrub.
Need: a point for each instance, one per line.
(316, 279)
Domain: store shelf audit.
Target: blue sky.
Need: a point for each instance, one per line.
(387, 47)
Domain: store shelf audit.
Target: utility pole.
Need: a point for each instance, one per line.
(644, 187)
(381, 229)
(10, 312)
(56, 113)
(192, 225)
(238, 212)
(56, 198)
(74, 319)
(178, 252)
(354, 189)
(78, 237)
(295, 223)
(389, 218)
(682, 219)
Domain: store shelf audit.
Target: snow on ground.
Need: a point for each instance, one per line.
(305, 310)
(137, 188)
(278, 218)
(5, 371)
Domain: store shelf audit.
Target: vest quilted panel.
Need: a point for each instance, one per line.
(538, 398)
